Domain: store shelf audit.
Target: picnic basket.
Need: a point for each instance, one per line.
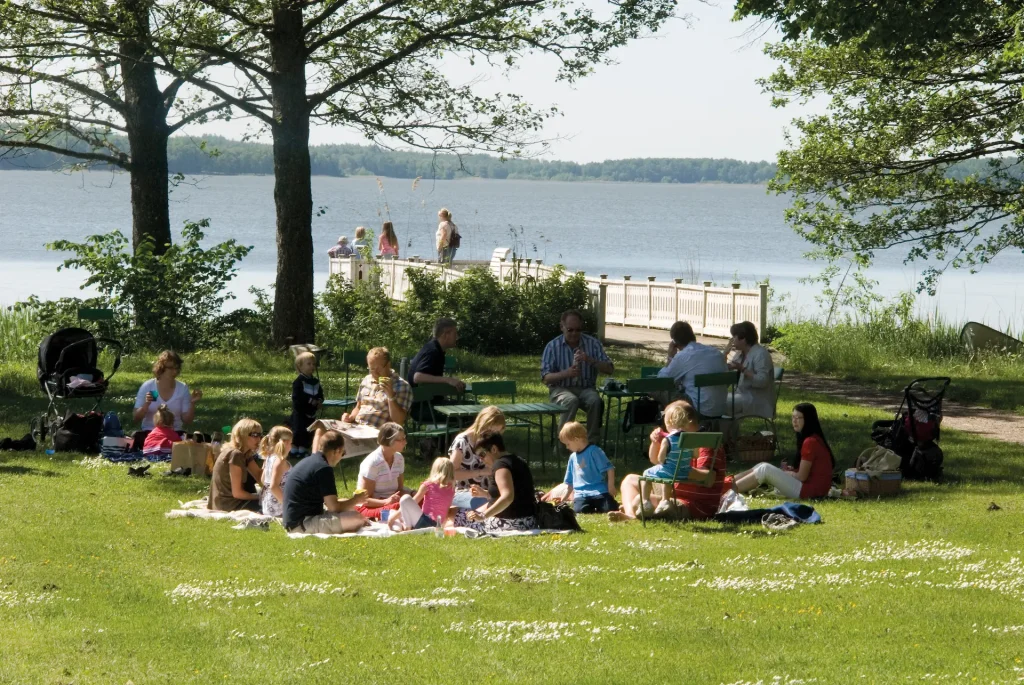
(753, 448)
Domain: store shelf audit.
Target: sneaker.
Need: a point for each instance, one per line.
(777, 522)
(665, 509)
(648, 509)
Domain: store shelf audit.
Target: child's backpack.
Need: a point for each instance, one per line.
(112, 426)
(556, 517)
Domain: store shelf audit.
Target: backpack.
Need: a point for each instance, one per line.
(556, 517)
(78, 432)
(455, 241)
(112, 426)
(925, 463)
(640, 411)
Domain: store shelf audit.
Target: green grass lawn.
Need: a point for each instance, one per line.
(96, 586)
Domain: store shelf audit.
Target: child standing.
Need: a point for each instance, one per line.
(307, 396)
(665, 454)
(275, 448)
(161, 439)
(589, 474)
(431, 502)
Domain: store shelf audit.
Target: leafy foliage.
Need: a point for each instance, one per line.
(879, 170)
(164, 300)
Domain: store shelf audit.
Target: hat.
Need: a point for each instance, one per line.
(342, 240)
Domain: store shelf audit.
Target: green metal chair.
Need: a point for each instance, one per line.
(349, 358)
(687, 442)
(450, 365)
(430, 426)
(729, 379)
(649, 371)
(768, 422)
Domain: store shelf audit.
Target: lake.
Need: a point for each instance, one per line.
(698, 232)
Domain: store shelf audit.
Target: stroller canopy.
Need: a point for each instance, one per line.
(68, 348)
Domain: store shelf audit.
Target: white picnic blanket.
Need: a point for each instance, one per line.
(196, 509)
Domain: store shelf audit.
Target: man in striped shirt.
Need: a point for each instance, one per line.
(569, 367)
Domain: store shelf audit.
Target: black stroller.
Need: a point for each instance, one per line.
(68, 371)
(914, 433)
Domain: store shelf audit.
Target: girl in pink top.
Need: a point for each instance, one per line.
(163, 436)
(431, 502)
(387, 244)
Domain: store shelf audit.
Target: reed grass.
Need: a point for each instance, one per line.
(19, 334)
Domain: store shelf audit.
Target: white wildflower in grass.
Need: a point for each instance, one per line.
(239, 635)
(621, 611)
(531, 631)
(443, 590)
(248, 394)
(12, 599)
(1005, 629)
(94, 463)
(208, 592)
(306, 553)
(775, 680)
(422, 602)
(650, 546)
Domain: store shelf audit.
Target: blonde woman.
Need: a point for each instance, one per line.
(448, 238)
(275, 448)
(235, 472)
(382, 473)
(472, 475)
(164, 388)
(387, 244)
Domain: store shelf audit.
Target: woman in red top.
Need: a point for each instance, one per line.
(814, 476)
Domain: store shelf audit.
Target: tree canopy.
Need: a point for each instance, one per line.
(912, 92)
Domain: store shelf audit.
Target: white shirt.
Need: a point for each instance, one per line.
(756, 395)
(179, 403)
(385, 477)
(694, 360)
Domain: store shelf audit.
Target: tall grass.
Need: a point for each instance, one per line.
(20, 335)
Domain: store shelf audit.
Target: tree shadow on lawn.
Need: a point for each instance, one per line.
(17, 470)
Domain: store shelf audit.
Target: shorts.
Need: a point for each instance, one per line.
(595, 504)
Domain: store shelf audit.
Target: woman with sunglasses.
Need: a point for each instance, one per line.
(235, 473)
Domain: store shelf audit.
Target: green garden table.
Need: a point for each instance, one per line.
(522, 410)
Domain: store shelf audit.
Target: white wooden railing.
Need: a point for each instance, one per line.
(649, 304)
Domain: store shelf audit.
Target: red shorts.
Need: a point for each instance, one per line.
(374, 514)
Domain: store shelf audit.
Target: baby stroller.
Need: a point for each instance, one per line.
(68, 371)
(914, 433)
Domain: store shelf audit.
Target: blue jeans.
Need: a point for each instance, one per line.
(600, 504)
(464, 500)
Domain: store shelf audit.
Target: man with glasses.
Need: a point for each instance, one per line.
(569, 367)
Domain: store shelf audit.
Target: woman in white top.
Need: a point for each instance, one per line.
(755, 394)
(446, 232)
(382, 473)
(164, 388)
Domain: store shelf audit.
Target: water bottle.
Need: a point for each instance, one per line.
(439, 528)
(403, 367)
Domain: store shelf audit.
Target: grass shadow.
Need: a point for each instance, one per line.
(16, 470)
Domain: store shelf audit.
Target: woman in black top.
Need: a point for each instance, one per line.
(513, 502)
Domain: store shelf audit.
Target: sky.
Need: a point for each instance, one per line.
(690, 91)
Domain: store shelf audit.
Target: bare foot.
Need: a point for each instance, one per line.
(618, 516)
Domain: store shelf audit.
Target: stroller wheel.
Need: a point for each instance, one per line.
(40, 428)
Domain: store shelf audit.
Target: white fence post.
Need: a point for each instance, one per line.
(675, 297)
(735, 287)
(602, 308)
(704, 308)
(650, 301)
(763, 310)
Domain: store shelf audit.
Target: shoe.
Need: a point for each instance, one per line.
(648, 509)
(180, 471)
(665, 509)
(139, 471)
(777, 522)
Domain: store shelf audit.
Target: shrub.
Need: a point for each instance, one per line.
(171, 300)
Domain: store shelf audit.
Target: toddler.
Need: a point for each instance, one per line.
(307, 396)
(665, 454)
(274, 449)
(431, 503)
(161, 439)
(589, 476)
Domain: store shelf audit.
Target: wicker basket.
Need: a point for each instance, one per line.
(750, 449)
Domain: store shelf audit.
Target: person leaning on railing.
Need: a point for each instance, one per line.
(569, 367)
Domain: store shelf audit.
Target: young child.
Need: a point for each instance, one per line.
(275, 448)
(589, 474)
(163, 436)
(664, 453)
(431, 502)
(307, 396)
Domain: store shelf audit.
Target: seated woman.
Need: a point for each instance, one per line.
(382, 473)
(513, 504)
(235, 472)
(472, 476)
(695, 498)
(755, 394)
(165, 389)
(813, 478)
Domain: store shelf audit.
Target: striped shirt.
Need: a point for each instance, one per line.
(558, 356)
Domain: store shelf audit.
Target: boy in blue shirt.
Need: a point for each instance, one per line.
(589, 473)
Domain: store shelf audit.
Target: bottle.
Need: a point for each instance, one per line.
(403, 367)
(439, 528)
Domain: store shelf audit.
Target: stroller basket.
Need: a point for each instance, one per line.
(914, 432)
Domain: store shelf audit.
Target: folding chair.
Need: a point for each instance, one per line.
(429, 427)
(450, 365)
(649, 371)
(644, 387)
(349, 358)
(729, 379)
(687, 442)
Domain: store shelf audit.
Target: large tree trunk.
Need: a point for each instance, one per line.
(293, 193)
(146, 124)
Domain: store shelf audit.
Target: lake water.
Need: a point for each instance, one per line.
(697, 232)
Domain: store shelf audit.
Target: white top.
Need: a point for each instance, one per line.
(757, 395)
(178, 403)
(445, 231)
(385, 477)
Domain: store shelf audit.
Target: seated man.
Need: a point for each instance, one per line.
(383, 395)
(310, 489)
(688, 358)
(428, 364)
(569, 367)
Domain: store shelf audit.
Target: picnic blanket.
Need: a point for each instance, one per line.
(196, 509)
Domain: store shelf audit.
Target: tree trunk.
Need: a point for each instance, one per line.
(293, 193)
(146, 124)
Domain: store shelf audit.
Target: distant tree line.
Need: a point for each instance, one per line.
(217, 155)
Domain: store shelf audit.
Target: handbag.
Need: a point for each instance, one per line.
(641, 411)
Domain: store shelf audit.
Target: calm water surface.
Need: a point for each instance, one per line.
(697, 232)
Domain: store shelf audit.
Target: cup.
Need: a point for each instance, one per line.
(384, 515)
(154, 395)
